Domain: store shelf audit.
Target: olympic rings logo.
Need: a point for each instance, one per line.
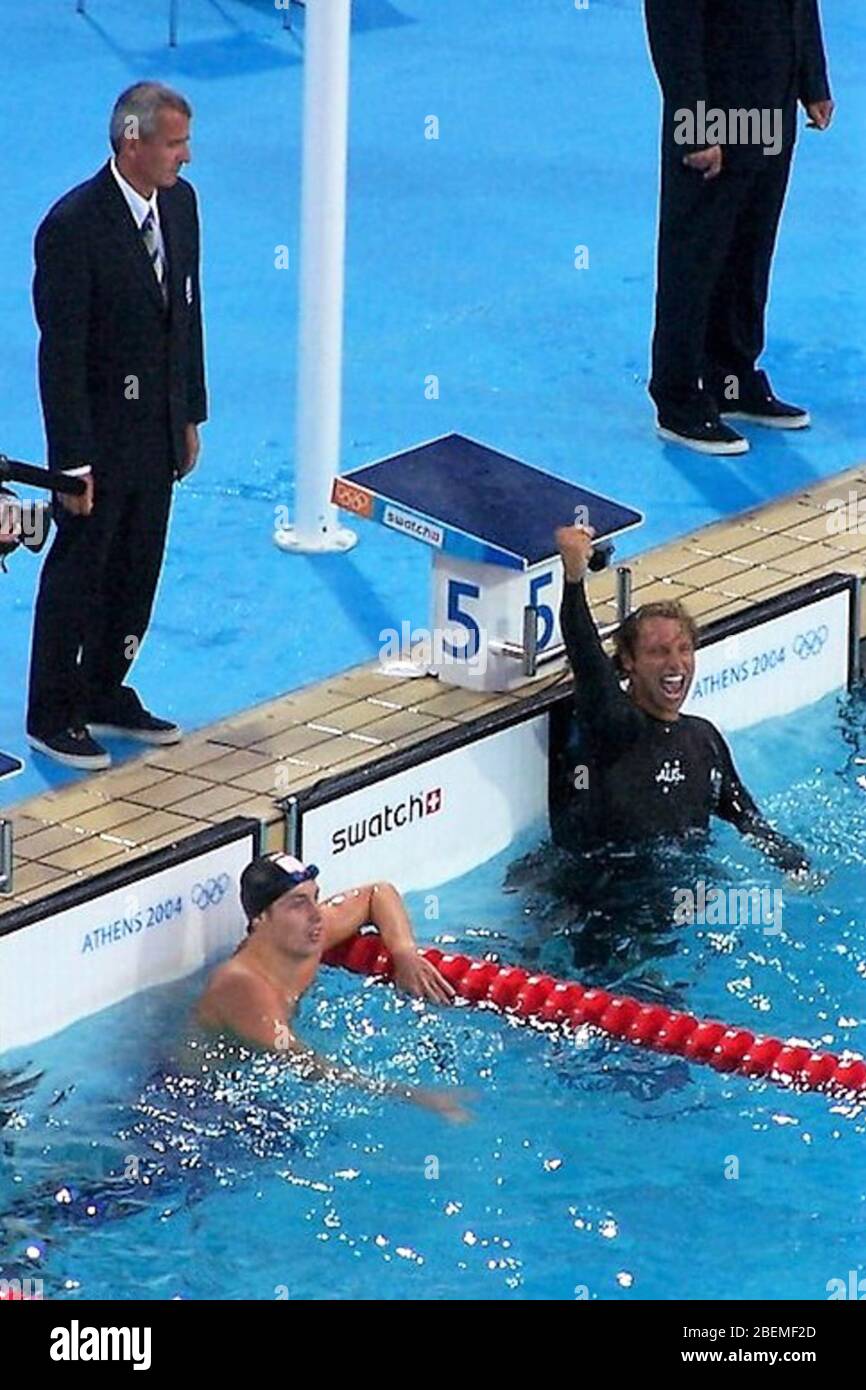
(211, 892)
(810, 643)
(352, 498)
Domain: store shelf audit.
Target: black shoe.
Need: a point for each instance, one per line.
(139, 725)
(73, 748)
(762, 407)
(697, 426)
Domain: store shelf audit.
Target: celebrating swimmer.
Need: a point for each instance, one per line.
(255, 994)
(652, 770)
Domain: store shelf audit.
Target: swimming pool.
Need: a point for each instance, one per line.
(591, 1169)
(478, 286)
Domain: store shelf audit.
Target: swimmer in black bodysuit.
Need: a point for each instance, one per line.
(652, 772)
(634, 827)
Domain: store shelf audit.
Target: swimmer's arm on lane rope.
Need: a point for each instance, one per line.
(251, 1012)
(381, 906)
(737, 806)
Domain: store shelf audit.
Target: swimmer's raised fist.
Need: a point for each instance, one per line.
(574, 544)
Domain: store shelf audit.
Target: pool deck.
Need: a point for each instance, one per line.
(242, 765)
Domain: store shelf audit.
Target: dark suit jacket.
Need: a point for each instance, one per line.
(737, 54)
(104, 327)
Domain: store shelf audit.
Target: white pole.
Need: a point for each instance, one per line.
(320, 318)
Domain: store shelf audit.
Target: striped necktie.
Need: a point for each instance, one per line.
(151, 241)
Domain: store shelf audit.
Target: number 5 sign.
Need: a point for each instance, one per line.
(478, 608)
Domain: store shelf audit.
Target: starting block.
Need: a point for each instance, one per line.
(488, 519)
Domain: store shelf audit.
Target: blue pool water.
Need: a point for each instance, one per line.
(459, 264)
(591, 1169)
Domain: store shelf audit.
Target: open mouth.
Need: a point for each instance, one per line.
(673, 686)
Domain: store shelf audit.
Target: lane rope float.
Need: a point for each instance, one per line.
(517, 991)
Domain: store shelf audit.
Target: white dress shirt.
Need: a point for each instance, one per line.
(139, 206)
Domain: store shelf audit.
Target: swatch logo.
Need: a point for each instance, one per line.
(389, 818)
(416, 526)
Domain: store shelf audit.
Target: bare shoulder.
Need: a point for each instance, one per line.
(233, 986)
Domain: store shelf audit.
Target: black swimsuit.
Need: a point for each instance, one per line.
(644, 777)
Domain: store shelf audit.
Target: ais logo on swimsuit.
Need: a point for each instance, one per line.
(382, 822)
(670, 774)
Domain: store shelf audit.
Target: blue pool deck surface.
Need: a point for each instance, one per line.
(460, 266)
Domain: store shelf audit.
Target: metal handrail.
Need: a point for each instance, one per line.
(527, 650)
(81, 8)
(6, 868)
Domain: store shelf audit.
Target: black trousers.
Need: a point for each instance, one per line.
(95, 598)
(715, 249)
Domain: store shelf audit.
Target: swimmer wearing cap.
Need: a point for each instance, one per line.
(255, 994)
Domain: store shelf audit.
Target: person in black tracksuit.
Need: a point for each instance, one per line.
(721, 204)
(121, 378)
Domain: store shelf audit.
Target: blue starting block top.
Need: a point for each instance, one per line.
(463, 498)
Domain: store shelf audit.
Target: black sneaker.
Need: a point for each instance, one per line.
(139, 725)
(762, 407)
(73, 748)
(697, 426)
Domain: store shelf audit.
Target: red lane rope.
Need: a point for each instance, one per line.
(516, 991)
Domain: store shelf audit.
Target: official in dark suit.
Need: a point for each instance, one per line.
(121, 378)
(723, 185)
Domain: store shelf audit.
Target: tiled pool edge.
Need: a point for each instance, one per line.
(236, 767)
